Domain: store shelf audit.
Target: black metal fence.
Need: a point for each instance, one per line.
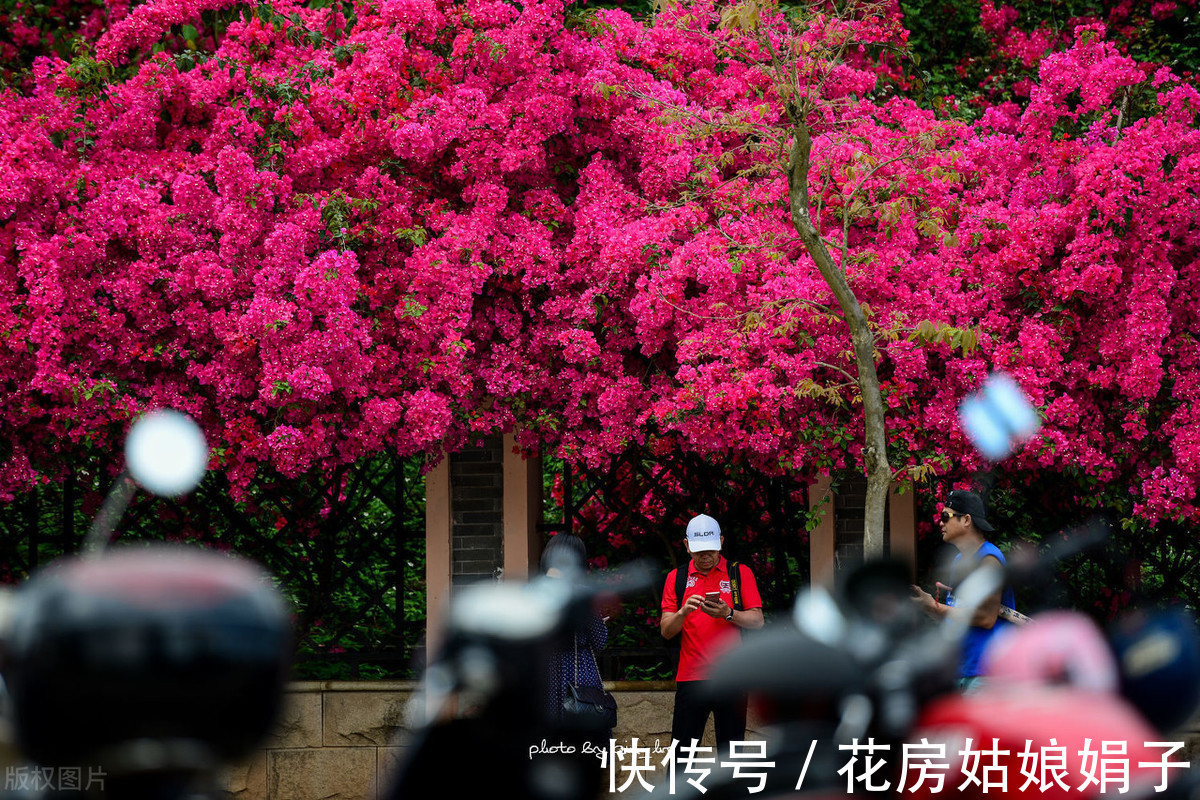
(348, 549)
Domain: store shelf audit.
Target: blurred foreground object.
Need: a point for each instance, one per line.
(998, 417)
(480, 722)
(166, 453)
(1158, 656)
(1058, 648)
(156, 665)
(861, 674)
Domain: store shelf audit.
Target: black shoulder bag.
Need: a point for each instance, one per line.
(591, 703)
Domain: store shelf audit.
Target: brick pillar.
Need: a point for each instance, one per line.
(837, 540)
(821, 540)
(482, 507)
(850, 517)
(522, 511)
(438, 560)
(477, 503)
(902, 520)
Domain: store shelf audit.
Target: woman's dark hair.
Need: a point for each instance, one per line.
(562, 550)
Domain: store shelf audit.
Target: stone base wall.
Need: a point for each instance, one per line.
(334, 740)
(337, 740)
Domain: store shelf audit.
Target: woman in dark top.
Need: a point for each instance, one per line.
(574, 664)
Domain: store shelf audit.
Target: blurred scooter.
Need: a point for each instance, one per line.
(480, 722)
(137, 673)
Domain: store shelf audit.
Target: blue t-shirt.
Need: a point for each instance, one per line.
(978, 638)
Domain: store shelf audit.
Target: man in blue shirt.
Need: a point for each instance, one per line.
(964, 523)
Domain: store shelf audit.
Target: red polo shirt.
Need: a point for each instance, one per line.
(705, 638)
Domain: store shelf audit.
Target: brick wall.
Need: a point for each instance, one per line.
(476, 502)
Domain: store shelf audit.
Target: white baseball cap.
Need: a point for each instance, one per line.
(703, 533)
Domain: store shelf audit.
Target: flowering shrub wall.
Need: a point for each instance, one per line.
(329, 231)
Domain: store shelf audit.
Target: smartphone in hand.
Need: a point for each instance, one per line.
(712, 597)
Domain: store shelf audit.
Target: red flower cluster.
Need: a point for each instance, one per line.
(327, 235)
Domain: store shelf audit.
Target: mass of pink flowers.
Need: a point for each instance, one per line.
(326, 236)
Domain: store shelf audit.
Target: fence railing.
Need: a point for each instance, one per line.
(348, 549)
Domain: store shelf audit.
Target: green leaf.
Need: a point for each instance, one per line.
(413, 309)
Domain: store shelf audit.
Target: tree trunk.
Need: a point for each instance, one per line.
(879, 472)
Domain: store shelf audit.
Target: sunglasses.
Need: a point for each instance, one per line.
(949, 515)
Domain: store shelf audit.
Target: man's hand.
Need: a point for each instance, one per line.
(671, 624)
(691, 603)
(717, 608)
(927, 602)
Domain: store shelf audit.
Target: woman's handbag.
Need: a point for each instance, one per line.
(589, 702)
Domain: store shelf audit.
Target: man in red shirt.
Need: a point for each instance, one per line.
(708, 634)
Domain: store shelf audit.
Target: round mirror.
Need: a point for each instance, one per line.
(166, 453)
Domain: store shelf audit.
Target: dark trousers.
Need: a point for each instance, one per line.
(691, 715)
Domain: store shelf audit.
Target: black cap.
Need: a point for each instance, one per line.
(965, 502)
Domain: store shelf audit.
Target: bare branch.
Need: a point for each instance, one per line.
(696, 314)
(1121, 112)
(853, 380)
(877, 167)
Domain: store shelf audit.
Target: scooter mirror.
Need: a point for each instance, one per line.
(166, 453)
(816, 614)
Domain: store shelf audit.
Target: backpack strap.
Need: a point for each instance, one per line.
(735, 584)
